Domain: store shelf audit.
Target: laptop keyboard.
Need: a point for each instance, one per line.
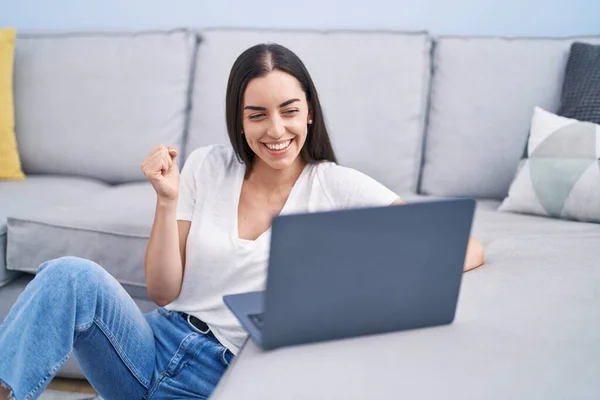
(257, 319)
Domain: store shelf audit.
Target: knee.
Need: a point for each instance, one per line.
(65, 269)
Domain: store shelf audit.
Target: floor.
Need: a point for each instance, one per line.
(71, 385)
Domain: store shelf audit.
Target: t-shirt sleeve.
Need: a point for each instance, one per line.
(188, 183)
(350, 188)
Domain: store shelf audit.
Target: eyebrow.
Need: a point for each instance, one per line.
(258, 108)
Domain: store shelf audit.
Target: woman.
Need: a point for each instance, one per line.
(210, 237)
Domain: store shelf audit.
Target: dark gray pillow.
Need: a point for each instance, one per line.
(581, 87)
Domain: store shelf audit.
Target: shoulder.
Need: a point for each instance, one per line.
(215, 159)
(335, 176)
(330, 171)
(349, 187)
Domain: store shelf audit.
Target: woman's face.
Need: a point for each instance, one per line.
(275, 118)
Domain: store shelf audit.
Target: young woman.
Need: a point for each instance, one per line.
(210, 237)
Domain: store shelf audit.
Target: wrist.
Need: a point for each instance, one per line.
(170, 204)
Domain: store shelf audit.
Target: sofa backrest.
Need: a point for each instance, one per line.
(483, 94)
(373, 88)
(95, 104)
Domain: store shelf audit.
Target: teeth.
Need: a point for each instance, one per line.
(278, 146)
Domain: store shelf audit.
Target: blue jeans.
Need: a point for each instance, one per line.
(74, 304)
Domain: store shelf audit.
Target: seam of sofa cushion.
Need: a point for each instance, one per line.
(539, 38)
(324, 31)
(77, 228)
(190, 97)
(15, 274)
(426, 117)
(67, 34)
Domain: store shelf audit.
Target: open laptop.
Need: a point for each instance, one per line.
(341, 274)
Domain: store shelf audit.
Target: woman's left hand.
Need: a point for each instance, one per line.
(475, 254)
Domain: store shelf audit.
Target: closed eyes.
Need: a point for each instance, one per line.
(286, 112)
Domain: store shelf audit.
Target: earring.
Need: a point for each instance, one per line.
(310, 121)
(242, 132)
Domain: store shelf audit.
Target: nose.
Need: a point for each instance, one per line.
(276, 127)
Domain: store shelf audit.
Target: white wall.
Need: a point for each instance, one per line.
(487, 17)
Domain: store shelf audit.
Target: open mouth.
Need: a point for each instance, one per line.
(278, 147)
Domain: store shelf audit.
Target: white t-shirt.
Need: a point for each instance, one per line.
(218, 262)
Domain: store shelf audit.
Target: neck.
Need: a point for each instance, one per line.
(264, 176)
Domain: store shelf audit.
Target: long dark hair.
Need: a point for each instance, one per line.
(258, 61)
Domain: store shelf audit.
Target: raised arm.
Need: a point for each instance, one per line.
(165, 254)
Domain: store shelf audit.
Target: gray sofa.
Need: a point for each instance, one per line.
(427, 116)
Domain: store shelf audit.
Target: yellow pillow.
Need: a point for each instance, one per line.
(10, 162)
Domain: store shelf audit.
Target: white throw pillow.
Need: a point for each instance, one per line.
(560, 175)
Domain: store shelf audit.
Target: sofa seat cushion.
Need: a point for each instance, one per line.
(42, 190)
(33, 193)
(111, 228)
(491, 224)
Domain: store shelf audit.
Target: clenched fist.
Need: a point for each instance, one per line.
(162, 171)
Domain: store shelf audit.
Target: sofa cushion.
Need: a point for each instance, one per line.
(373, 88)
(111, 228)
(580, 98)
(94, 104)
(491, 223)
(483, 93)
(10, 162)
(560, 176)
(34, 193)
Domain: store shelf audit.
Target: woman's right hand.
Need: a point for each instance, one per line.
(162, 171)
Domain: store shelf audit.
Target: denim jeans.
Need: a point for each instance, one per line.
(74, 304)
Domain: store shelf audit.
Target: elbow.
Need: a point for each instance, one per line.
(160, 299)
(160, 302)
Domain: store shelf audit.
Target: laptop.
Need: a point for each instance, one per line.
(348, 273)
